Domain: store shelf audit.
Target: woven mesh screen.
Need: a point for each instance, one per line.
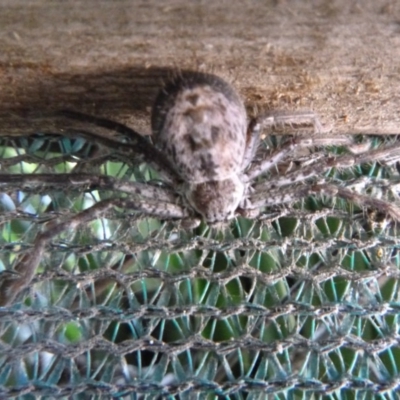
(301, 303)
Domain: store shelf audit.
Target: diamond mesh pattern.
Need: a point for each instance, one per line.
(301, 302)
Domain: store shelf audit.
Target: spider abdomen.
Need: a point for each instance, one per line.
(200, 123)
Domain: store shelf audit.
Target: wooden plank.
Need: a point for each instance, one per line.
(337, 57)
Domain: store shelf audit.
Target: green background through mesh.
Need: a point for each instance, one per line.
(301, 302)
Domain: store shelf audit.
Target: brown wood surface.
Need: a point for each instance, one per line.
(340, 58)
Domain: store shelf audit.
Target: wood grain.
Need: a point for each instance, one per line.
(337, 57)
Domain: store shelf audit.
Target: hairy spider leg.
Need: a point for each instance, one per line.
(259, 167)
(24, 270)
(137, 143)
(87, 183)
(126, 152)
(290, 194)
(252, 142)
(278, 117)
(390, 154)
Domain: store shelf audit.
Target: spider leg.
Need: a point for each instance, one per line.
(259, 167)
(87, 183)
(277, 117)
(252, 142)
(291, 194)
(125, 151)
(389, 155)
(137, 143)
(361, 200)
(13, 282)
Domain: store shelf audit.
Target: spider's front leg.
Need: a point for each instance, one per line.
(12, 283)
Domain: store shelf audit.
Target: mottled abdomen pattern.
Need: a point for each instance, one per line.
(199, 122)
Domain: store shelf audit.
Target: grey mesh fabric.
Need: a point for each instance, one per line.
(301, 301)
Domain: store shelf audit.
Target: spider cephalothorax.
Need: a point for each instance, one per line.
(209, 157)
